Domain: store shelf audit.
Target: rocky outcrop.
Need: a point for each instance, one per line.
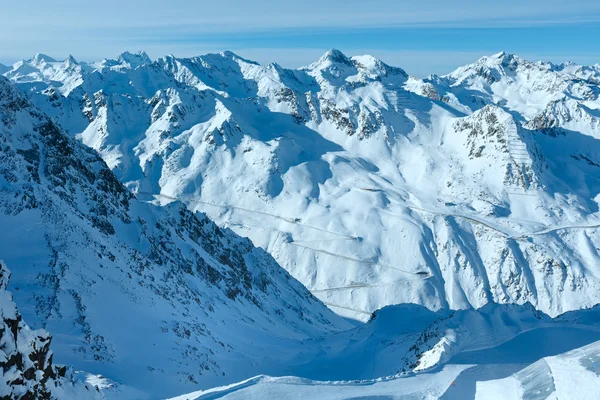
(28, 372)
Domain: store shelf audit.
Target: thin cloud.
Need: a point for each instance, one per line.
(238, 15)
(298, 32)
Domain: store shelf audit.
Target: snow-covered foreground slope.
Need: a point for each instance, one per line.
(573, 375)
(496, 355)
(369, 186)
(410, 339)
(154, 298)
(270, 388)
(26, 360)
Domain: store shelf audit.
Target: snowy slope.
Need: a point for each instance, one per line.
(504, 352)
(154, 298)
(567, 376)
(572, 375)
(411, 339)
(26, 361)
(369, 186)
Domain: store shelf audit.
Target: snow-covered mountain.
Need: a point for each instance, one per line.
(524, 87)
(156, 299)
(369, 186)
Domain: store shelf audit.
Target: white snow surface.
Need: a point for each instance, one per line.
(497, 356)
(369, 186)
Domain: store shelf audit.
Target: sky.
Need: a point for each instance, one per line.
(423, 37)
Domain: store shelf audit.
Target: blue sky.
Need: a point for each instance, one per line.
(431, 36)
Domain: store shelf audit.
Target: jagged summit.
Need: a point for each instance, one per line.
(134, 60)
(506, 64)
(491, 68)
(330, 58)
(374, 67)
(337, 69)
(335, 56)
(41, 58)
(70, 60)
(234, 56)
(504, 56)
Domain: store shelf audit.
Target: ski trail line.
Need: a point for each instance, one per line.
(486, 224)
(324, 240)
(356, 260)
(413, 207)
(471, 219)
(558, 228)
(350, 287)
(346, 308)
(295, 221)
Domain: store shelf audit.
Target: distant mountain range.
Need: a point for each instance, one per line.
(370, 187)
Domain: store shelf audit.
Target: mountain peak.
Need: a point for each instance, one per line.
(374, 67)
(502, 54)
(39, 58)
(490, 67)
(503, 58)
(71, 60)
(134, 59)
(335, 56)
(231, 55)
(334, 53)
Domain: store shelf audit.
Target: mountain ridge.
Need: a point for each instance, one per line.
(351, 173)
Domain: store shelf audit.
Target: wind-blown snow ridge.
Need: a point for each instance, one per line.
(448, 176)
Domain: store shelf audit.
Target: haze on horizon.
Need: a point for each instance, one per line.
(422, 38)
